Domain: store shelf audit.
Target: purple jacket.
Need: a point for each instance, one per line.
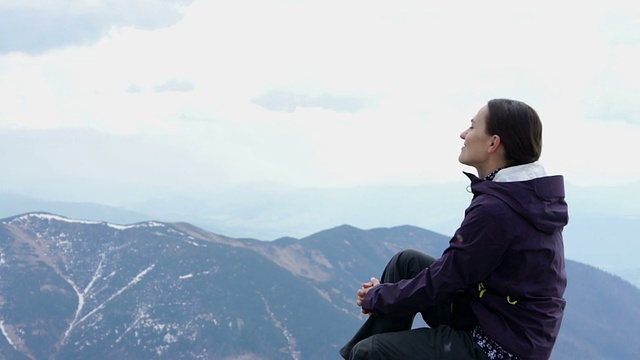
(508, 256)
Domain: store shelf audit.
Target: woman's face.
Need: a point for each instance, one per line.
(476, 141)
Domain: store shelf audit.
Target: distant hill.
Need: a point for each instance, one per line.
(77, 289)
(11, 204)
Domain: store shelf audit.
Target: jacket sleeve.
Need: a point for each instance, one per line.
(475, 250)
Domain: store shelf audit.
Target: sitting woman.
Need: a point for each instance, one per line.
(497, 290)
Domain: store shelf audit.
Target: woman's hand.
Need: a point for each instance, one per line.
(362, 292)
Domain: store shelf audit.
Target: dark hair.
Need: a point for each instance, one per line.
(519, 128)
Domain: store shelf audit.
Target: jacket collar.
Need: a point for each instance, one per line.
(523, 172)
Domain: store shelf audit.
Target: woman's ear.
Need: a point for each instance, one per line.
(495, 143)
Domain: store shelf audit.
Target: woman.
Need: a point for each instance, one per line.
(496, 292)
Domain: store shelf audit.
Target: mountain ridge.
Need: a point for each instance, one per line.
(77, 289)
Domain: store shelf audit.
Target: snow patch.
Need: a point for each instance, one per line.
(44, 216)
(194, 243)
(135, 280)
(170, 339)
(291, 340)
(6, 335)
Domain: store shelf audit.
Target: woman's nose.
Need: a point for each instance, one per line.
(463, 134)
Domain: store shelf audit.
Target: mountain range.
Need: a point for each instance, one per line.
(79, 289)
(602, 230)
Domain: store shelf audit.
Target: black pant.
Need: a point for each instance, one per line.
(389, 337)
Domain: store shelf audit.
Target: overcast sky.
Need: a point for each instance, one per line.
(197, 94)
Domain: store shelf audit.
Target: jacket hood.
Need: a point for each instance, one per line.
(540, 200)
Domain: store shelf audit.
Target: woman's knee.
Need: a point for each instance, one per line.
(405, 265)
(411, 255)
(414, 260)
(415, 254)
(362, 350)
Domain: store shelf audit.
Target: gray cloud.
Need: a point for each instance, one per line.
(175, 85)
(134, 89)
(36, 26)
(286, 101)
